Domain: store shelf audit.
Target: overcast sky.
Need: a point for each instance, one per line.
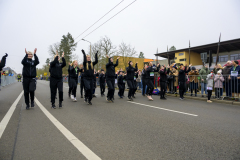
(146, 24)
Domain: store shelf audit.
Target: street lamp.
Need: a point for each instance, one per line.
(90, 47)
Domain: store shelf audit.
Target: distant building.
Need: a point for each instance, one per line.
(228, 50)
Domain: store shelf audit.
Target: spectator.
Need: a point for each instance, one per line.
(235, 78)
(226, 72)
(217, 68)
(209, 79)
(170, 79)
(203, 73)
(139, 80)
(218, 85)
(175, 78)
(193, 80)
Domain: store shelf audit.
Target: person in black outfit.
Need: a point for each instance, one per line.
(135, 83)
(88, 76)
(73, 75)
(69, 86)
(56, 81)
(49, 78)
(130, 79)
(144, 80)
(82, 83)
(96, 74)
(182, 79)
(3, 62)
(29, 76)
(102, 79)
(163, 80)
(124, 81)
(110, 78)
(149, 79)
(121, 84)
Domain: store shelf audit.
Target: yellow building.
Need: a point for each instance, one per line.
(183, 57)
(123, 62)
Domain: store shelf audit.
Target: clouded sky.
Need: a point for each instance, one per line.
(146, 24)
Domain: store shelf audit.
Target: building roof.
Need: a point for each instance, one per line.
(225, 46)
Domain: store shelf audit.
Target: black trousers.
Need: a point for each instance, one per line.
(163, 86)
(82, 87)
(74, 82)
(102, 88)
(209, 94)
(55, 84)
(111, 87)
(28, 87)
(135, 88)
(121, 89)
(181, 88)
(150, 86)
(143, 85)
(88, 86)
(131, 87)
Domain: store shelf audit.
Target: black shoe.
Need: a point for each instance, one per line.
(81, 96)
(161, 97)
(60, 104)
(27, 107)
(112, 100)
(85, 99)
(93, 95)
(202, 95)
(121, 97)
(53, 106)
(164, 98)
(191, 94)
(143, 95)
(89, 103)
(32, 104)
(133, 97)
(129, 99)
(69, 95)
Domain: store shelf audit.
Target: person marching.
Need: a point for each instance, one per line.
(144, 80)
(130, 79)
(69, 86)
(96, 74)
(82, 83)
(56, 81)
(102, 79)
(73, 75)
(149, 79)
(121, 84)
(163, 80)
(88, 75)
(110, 78)
(135, 83)
(182, 79)
(29, 76)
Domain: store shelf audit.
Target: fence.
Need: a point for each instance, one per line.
(223, 86)
(6, 80)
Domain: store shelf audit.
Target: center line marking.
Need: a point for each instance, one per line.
(74, 140)
(165, 109)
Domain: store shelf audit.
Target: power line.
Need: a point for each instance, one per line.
(99, 19)
(108, 19)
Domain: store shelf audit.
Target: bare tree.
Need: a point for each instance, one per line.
(126, 52)
(53, 48)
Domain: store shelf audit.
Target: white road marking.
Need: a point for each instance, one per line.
(74, 140)
(164, 109)
(8, 116)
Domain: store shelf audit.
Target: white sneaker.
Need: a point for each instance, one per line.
(75, 99)
(72, 97)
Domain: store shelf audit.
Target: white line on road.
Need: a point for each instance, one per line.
(165, 109)
(74, 140)
(8, 116)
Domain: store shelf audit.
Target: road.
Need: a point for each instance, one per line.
(142, 129)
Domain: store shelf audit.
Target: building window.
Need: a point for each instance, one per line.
(180, 54)
(223, 58)
(234, 56)
(182, 59)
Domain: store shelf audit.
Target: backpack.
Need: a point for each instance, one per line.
(155, 91)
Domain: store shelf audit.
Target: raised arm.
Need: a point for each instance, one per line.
(136, 67)
(3, 61)
(84, 58)
(96, 59)
(64, 62)
(24, 61)
(115, 65)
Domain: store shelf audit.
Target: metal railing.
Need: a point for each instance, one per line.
(197, 85)
(7, 80)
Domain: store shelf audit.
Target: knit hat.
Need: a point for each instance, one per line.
(193, 68)
(220, 71)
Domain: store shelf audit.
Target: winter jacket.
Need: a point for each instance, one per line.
(143, 76)
(73, 73)
(193, 76)
(175, 77)
(215, 70)
(218, 81)
(237, 70)
(120, 79)
(29, 67)
(203, 74)
(182, 74)
(89, 73)
(210, 80)
(226, 72)
(131, 71)
(56, 68)
(163, 74)
(110, 67)
(102, 78)
(138, 78)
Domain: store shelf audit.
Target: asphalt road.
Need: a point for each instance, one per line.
(170, 129)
